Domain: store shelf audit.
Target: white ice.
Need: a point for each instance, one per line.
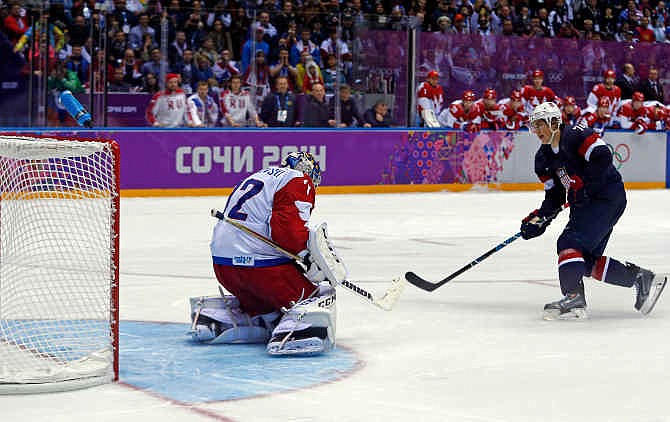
(474, 350)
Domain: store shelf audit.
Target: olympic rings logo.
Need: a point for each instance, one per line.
(620, 154)
(555, 76)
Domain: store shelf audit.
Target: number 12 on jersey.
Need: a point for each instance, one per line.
(256, 186)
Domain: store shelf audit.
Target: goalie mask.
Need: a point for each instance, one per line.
(306, 163)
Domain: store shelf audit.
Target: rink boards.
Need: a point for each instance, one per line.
(181, 162)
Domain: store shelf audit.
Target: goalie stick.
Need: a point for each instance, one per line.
(386, 302)
(428, 286)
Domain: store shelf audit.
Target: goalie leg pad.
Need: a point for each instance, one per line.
(219, 320)
(308, 328)
(325, 263)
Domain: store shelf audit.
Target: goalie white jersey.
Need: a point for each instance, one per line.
(275, 202)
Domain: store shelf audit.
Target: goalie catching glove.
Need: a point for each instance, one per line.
(321, 261)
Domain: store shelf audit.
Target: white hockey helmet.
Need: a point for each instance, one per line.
(546, 111)
(304, 162)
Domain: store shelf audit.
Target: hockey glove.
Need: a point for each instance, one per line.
(472, 127)
(576, 193)
(639, 127)
(534, 225)
(513, 124)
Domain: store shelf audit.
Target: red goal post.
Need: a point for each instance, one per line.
(59, 263)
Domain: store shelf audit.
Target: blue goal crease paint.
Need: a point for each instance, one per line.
(162, 358)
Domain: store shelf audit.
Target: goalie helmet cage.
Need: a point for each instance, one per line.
(59, 263)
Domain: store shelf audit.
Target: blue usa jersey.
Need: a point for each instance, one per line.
(581, 153)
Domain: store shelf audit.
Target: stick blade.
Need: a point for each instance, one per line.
(421, 283)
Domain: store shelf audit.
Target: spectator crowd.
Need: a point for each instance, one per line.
(622, 102)
(241, 63)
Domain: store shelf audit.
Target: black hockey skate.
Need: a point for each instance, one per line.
(649, 288)
(572, 306)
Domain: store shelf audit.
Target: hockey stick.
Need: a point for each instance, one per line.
(429, 286)
(386, 302)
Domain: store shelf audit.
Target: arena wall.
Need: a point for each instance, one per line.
(210, 162)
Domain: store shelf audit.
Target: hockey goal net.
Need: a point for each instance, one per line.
(59, 256)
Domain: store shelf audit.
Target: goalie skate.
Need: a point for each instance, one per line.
(572, 306)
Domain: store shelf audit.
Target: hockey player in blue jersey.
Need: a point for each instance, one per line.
(574, 160)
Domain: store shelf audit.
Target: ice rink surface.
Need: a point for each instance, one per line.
(475, 350)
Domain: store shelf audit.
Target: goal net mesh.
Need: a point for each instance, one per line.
(58, 263)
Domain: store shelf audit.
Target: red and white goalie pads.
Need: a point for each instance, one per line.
(324, 264)
(307, 328)
(219, 320)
